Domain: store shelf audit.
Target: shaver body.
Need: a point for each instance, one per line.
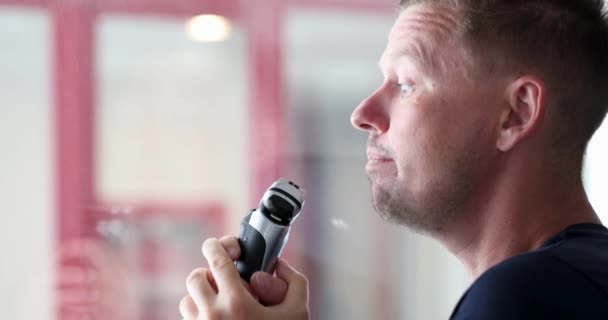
(265, 230)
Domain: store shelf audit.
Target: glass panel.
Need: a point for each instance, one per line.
(171, 115)
(171, 152)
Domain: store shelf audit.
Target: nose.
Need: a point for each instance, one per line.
(371, 114)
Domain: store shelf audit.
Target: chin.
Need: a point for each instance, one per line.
(401, 209)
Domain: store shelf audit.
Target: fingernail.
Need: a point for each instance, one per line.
(263, 282)
(280, 264)
(233, 252)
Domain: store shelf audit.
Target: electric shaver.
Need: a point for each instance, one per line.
(265, 230)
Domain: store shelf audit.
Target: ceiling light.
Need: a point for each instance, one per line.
(208, 28)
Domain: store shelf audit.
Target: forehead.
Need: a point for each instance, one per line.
(423, 32)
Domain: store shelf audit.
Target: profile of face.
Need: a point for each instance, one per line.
(430, 123)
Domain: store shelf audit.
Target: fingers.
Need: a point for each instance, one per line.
(222, 267)
(231, 245)
(200, 289)
(92, 281)
(78, 296)
(297, 284)
(70, 276)
(86, 251)
(269, 289)
(220, 293)
(187, 308)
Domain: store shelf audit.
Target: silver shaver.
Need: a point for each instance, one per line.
(264, 231)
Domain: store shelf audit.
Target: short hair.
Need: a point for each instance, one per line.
(565, 42)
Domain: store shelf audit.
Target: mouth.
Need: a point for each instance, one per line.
(377, 161)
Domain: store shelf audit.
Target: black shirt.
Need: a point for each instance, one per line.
(566, 278)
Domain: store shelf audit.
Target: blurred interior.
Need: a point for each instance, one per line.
(135, 129)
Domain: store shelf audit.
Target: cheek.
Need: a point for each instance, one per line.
(434, 134)
(430, 134)
(419, 139)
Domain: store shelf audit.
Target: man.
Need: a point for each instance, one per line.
(476, 138)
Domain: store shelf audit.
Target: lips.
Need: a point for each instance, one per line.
(377, 160)
(377, 157)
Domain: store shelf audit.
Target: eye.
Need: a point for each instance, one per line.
(405, 88)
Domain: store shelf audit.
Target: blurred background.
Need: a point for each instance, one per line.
(134, 129)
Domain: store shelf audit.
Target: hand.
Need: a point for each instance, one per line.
(220, 293)
(92, 282)
(268, 289)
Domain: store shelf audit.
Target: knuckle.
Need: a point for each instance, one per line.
(302, 280)
(184, 302)
(220, 263)
(207, 243)
(196, 278)
(186, 306)
(236, 308)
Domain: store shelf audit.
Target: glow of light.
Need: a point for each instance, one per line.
(340, 224)
(208, 28)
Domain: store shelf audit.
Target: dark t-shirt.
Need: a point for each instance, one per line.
(566, 278)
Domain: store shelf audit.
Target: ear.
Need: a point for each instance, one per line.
(523, 111)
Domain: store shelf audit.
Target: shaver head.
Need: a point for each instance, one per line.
(282, 201)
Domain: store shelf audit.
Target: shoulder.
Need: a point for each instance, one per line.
(534, 285)
(520, 279)
(528, 270)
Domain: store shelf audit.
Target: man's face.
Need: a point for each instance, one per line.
(430, 123)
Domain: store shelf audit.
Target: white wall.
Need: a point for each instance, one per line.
(26, 233)
(596, 172)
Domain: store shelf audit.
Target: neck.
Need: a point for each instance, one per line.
(522, 207)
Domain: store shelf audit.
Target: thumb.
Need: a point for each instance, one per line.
(269, 289)
(297, 284)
